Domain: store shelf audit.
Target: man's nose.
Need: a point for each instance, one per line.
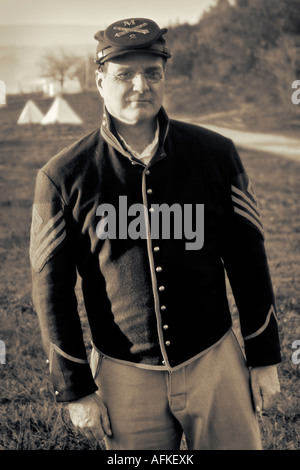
(140, 83)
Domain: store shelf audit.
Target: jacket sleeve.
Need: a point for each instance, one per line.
(246, 264)
(53, 290)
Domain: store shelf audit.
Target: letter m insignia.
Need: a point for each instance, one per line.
(129, 23)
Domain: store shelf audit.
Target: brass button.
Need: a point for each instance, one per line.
(149, 191)
(156, 249)
(165, 327)
(56, 393)
(159, 269)
(161, 288)
(167, 343)
(147, 172)
(151, 209)
(163, 308)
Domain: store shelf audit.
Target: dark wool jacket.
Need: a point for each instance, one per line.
(149, 302)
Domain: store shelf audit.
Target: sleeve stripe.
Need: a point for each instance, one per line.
(250, 218)
(260, 330)
(53, 234)
(53, 347)
(49, 225)
(45, 238)
(245, 197)
(244, 204)
(39, 260)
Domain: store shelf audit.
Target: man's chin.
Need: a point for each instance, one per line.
(140, 116)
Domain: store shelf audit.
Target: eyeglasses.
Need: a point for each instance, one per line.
(153, 76)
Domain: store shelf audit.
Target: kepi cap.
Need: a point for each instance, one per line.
(129, 36)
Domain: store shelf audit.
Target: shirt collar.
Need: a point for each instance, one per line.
(111, 136)
(148, 152)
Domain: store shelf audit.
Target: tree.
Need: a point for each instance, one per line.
(85, 72)
(59, 65)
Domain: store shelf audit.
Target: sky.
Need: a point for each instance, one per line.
(28, 27)
(91, 12)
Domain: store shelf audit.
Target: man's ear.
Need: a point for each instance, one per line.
(99, 78)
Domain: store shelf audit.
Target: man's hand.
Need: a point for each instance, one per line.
(90, 416)
(265, 385)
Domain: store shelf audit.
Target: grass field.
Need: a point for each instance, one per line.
(30, 419)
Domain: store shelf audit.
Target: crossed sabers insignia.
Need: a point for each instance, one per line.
(136, 29)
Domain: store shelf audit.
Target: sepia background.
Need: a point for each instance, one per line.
(235, 68)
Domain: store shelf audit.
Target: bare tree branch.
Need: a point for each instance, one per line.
(59, 65)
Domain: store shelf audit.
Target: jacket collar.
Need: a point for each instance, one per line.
(110, 135)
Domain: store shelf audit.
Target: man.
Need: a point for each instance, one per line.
(164, 358)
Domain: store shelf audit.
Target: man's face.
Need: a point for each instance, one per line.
(137, 100)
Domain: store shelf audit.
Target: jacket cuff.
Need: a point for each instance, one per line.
(71, 377)
(263, 349)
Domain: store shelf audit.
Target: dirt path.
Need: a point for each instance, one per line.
(271, 143)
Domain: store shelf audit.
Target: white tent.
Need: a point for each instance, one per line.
(61, 112)
(30, 114)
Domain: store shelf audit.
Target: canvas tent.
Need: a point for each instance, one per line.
(30, 114)
(61, 112)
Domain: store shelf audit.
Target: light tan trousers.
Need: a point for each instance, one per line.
(209, 400)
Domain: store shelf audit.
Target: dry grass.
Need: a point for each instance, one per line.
(30, 419)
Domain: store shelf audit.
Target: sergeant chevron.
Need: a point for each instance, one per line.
(157, 221)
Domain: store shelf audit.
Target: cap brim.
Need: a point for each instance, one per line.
(162, 51)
